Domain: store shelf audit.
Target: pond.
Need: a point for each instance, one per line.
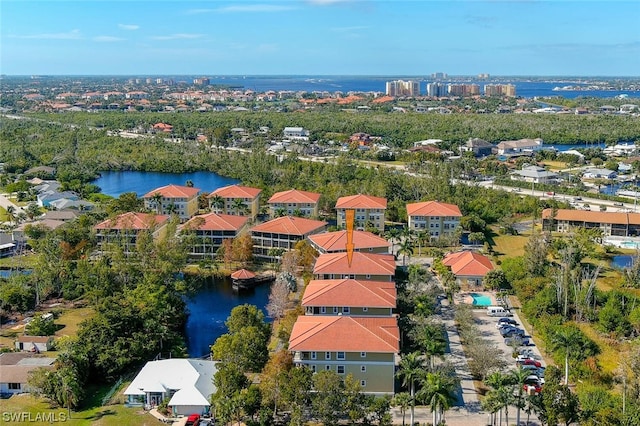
(6, 273)
(622, 261)
(116, 183)
(209, 308)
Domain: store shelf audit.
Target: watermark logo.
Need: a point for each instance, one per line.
(33, 417)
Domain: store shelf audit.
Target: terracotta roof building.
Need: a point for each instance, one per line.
(364, 347)
(210, 230)
(468, 266)
(369, 211)
(349, 297)
(294, 202)
(229, 204)
(439, 219)
(173, 199)
(282, 234)
(611, 223)
(364, 266)
(124, 229)
(334, 242)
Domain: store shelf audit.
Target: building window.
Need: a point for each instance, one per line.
(313, 355)
(327, 367)
(368, 276)
(327, 355)
(363, 354)
(340, 369)
(363, 383)
(340, 355)
(313, 368)
(363, 368)
(346, 310)
(323, 310)
(14, 386)
(365, 309)
(335, 309)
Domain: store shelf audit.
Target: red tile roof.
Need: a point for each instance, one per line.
(236, 191)
(173, 191)
(337, 241)
(593, 217)
(433, 208)
(345, 334)
(290, 225)
(468, 263)
(216, 222)
(243, 274)
(362, 264)
(352, 293)
(295, 196)
(361, 201)
(133, 221)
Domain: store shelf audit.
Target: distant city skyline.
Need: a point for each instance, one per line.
(320, 37)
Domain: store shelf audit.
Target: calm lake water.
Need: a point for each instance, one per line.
(210, 306)
(622, 261)
(115, 183)
(209, 309)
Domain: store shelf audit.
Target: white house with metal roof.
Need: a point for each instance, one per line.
(534, 174)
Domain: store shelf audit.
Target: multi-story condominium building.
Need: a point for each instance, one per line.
(611, 223)
(369, 211)
(463, 89)
(349, 297)
(210, 230)
(437, 90)
(236, 200)
(439, 219)
(272, 238)
(500, 90)
(468, 267)
(173, 199)
(439, 75)
(403, 88)
(335, 242)
(364, 267)
(364, 347)
(123, 230)
(294, 202)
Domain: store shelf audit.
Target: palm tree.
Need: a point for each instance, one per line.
(392, 235)
(437, 391)
(217, 203)
(421, 238)
(411, 369)
(519, 376)
(11, 214)
(498, 397)
(406, 249)
(566, 339)
(239, 206)
(157, 200)
(402, 400)
(279, 212)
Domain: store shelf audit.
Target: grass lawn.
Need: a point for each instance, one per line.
(555, 165)
(20, 262)
(71, 319)
(509, 245)
(115, 415)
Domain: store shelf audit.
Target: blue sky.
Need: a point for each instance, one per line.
(320, 37)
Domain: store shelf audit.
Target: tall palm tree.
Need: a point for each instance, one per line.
(157, 200)
(11, 214)
(239, 206)
(437, 391)
(406, 249)
(217, 203)
(421, 237)
(411, 370)
(392, 235)
(566, 339)
(519, 376)
(501, 387)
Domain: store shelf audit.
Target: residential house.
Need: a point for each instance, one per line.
(298, 133)
(364, 266)
(369, 211)
(519, 147)
(186, 383)
(599, 174)
(231, 198)
(439, 219)
(62, 215)
(15, 368)
(272, 238)
(35, 344)
(535, 174)
(479, 147)
(173, 199)
(349, 297)
(294, 202)
(19, 236)
(124, 229)
(610, 223)
(210, 230)
(365, 347)
(468, 267)
(335, 242)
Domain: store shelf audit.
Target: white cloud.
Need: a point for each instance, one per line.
(129, 27)
(107, 39)
(179, 36)
(71, 35)
(245, 8)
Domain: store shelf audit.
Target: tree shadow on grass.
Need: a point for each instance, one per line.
(100, 414)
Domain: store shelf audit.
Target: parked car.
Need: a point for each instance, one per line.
(193, 420)
(519, 340)
(529, 361)
(506, 322)
(532, 384)
(618, 204)
(508, 332)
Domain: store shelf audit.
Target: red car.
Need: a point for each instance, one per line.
(193, 420)
(530, 362)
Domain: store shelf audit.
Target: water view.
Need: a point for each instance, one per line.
(116, 183)
(209, 308)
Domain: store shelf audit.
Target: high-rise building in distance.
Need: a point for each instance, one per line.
(437, 90)
(500, 90)
(403, 88)
(439, 75)
(464, 89)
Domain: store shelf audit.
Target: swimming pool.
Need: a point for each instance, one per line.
(481, 300)
(629, 244)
